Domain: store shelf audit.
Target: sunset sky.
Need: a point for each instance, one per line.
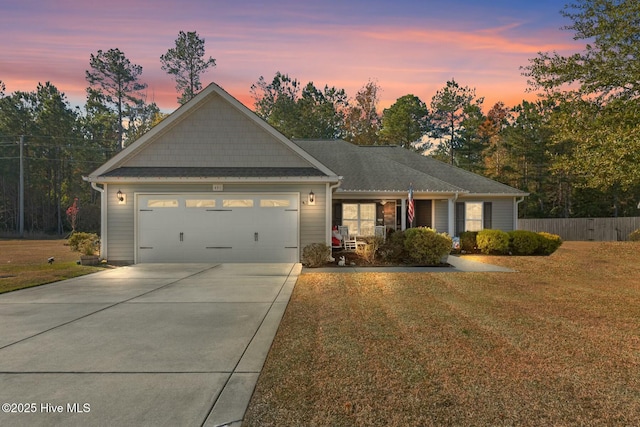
(407, 46)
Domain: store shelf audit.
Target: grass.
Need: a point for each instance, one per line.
(23, 263)
(556, 343)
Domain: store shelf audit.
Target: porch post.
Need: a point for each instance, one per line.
(403, 210)
(452, 216)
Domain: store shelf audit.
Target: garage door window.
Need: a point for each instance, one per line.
(200, 203)
(162, 203)
(274, 203)
(237, 203)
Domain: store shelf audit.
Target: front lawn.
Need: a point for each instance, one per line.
(24, 263)
(556, 343)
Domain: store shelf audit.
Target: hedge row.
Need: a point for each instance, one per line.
(518, 242)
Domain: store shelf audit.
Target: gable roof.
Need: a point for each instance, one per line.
(393, 168)
(212, 136)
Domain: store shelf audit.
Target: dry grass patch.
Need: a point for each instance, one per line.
(23, 263)
(557, 343)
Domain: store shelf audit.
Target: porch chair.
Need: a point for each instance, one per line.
(349, 243)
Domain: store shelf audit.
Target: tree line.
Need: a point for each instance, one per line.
(576, 149)
(58, 144)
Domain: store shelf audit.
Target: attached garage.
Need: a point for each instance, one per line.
(225, 227)
(212, 183)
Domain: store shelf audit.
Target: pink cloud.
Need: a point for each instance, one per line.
(403, 58)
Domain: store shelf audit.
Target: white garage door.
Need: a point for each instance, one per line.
(217, 227)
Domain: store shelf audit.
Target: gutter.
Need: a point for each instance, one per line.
(515, 212)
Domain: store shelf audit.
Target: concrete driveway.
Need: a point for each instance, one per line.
(150, 344)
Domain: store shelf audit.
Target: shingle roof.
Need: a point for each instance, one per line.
(470, 181)
(217, 172)
(392, 168)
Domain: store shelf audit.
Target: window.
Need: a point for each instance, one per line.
(360, 218)
(162, 203)
(200, 203)
(237, 203)
(274, 203)
(473, 216)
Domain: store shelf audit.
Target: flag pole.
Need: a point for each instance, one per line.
(410, 207)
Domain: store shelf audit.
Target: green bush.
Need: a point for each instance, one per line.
(635, 235)
(549, 243)
(468, 241)
(315, 254)
(522, 242)
(392, 249)
(493, 242)
(424, 246)
(85, 243)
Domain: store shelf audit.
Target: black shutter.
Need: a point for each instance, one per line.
(459, 218)
(486, 215)
(423, 213)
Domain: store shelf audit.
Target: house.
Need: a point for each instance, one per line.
(215, 183)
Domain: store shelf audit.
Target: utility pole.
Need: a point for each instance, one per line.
(21, 189)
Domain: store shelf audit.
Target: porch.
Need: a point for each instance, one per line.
(361, 216)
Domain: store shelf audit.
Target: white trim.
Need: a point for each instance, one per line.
(433, 214)
(516, 203)
(103, 218)
(452, 215)
(492, 195)
(205, 180)
(329, 211)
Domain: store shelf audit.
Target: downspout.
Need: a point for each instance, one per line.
(452, 215)
(329, 209)
(103, 219)
(515, 213)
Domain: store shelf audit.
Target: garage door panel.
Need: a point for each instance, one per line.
(218, 228)
(155, 241)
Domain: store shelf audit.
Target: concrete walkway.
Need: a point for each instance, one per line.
(458, 265)
(146, 345)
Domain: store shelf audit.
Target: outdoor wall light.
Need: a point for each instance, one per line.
(122, 198)
(312, 198)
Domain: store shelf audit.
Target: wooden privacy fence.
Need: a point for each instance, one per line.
(599, 229)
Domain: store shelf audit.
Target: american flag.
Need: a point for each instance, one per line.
(410, 208)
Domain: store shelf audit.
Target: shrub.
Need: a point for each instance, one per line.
(549, 243)
(315, 254)
(85, 243)
(493, 242)
(635, 235)
(424, 246)
(368, 252)
(468, 241)
(522, 242)
(393, 248)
